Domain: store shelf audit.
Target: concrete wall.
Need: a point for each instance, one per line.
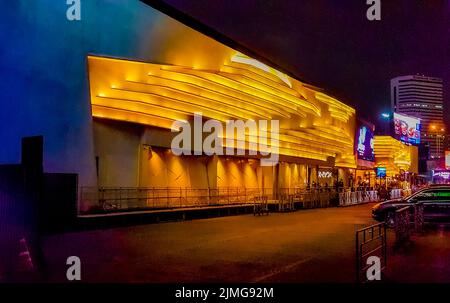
(235, 172)
(292, 175)
(131, 155)
(116, 146)
(160, 168)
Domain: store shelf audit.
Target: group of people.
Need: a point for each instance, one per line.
(383, 190)
(325, 186)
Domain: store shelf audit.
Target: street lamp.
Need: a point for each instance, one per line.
(438, 139)
(385, 117)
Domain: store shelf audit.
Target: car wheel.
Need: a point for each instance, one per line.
(390, 219)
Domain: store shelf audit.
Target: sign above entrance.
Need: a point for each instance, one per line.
(325, 174)
(381, 172)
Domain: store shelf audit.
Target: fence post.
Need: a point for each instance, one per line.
(418, 217)
(120, 197)
(402, 221)
(209, 195)
(370, 240)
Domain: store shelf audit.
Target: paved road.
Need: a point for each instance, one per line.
(305, 246)
(426, 259)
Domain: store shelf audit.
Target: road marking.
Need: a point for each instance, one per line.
(282, 269)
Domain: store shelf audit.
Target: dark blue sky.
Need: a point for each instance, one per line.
(331, 44)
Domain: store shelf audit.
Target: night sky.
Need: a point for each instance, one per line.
(331, 44)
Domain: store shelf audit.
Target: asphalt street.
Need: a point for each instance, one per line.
(316, 245)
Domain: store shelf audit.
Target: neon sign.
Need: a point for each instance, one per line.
(325, 174)
(442, 174)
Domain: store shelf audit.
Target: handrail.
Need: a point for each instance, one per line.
(117, 198)
(370, 241)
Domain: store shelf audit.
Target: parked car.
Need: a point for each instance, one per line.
(436, 201)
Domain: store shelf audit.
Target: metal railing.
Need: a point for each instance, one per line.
(399, 193)
(356, 197)
(370, 241)
(286, 203)
(418, 218)
(118, 198)
(312, 198)
(130, 198)
(260, 205)
(408, 219)
(402, 225)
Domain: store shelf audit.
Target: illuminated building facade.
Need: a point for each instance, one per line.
(422, 97)
(315, 136)
(395, 156)
(104, 95)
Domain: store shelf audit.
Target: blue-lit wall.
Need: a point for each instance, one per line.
(43, 72)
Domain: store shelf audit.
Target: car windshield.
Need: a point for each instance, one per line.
(435, 193)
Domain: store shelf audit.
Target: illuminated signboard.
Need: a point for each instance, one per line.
(407, 129)
(381, 172)
(441, 174)
(447, 159)
(364, 143)
(325, 174)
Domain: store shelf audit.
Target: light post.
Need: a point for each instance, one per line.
(385, 117)
(439, 133)
(433, 127)
(440, 141)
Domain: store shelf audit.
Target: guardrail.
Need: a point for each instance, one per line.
(370, 241)
(408, 219)
(399, 193)
(418, 218)
(402, 225)
(260, 206)
(110, 199)
(126, 198)
(314, 198)
(286, 203)
(355, 197)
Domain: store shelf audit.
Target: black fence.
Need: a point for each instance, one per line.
(370, 241)
(110, 199)
(408, 220)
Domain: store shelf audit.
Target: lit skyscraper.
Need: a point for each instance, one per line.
(422, 97)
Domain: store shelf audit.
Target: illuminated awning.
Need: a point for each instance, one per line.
(313, 125)
(392, 154)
